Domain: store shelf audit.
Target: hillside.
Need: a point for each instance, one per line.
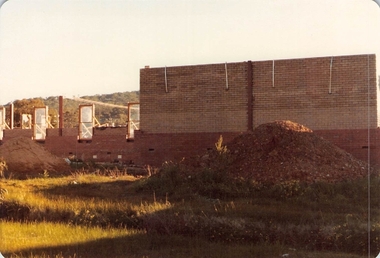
(103, 114)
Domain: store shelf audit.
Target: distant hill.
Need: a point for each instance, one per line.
(104, 114)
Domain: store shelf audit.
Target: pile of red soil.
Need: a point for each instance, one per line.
(24, 156)
(283, 151)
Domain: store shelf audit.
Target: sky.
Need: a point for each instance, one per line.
(88, 47)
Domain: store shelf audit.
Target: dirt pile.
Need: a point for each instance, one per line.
(25, 157)
(284, 150)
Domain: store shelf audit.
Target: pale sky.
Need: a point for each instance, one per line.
(88, 47)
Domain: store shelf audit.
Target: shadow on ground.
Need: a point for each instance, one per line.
(106, 190)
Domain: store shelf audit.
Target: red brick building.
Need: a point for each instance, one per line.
(184, 110)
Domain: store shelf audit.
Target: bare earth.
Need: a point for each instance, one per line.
(284, 150)
(24, 156)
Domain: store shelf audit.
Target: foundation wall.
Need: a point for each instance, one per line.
(107, 144)
(155, 149)
(17, 132)
(363, 144)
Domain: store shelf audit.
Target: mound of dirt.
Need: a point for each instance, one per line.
(284, 150)
(24, 156)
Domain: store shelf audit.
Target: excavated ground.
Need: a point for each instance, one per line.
(284, 150)
(24, 157)
(273, 152)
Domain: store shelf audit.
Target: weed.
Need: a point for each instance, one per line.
(45, 174)
(3, 192)
(220, 148)
(3, 167)
(151, 170)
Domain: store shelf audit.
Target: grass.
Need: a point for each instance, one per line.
(172, 215)
(23, 236)
(58, 240)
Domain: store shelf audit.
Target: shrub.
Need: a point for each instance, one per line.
(166, 181)
(352, 236)
(279, 191)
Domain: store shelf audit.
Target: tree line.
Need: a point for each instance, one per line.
(104, 114)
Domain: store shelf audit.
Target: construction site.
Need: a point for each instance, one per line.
(184, 110)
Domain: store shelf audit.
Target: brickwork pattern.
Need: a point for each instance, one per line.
(195, 99)
(320, 93)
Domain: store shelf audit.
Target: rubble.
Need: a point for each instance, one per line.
(284, 150)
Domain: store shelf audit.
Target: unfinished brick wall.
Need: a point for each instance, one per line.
(326, 93)
(17, 132)
(321, 93)
(184, 110)
(194, 99)
(334, 96)
(107, 145)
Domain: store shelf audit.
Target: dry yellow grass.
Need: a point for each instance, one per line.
(89, 215)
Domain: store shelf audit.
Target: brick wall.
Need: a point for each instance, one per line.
(108, 144)
(195, 99)
(184, 110)
(156, 148)
(320, 93)
(361, 143)
(17, 132)
(335, 96)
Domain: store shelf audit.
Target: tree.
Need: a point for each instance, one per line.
(25, 106)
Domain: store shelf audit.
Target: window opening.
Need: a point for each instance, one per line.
(133, 119)
(3, 124)
(86, 121)
(40, 123)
